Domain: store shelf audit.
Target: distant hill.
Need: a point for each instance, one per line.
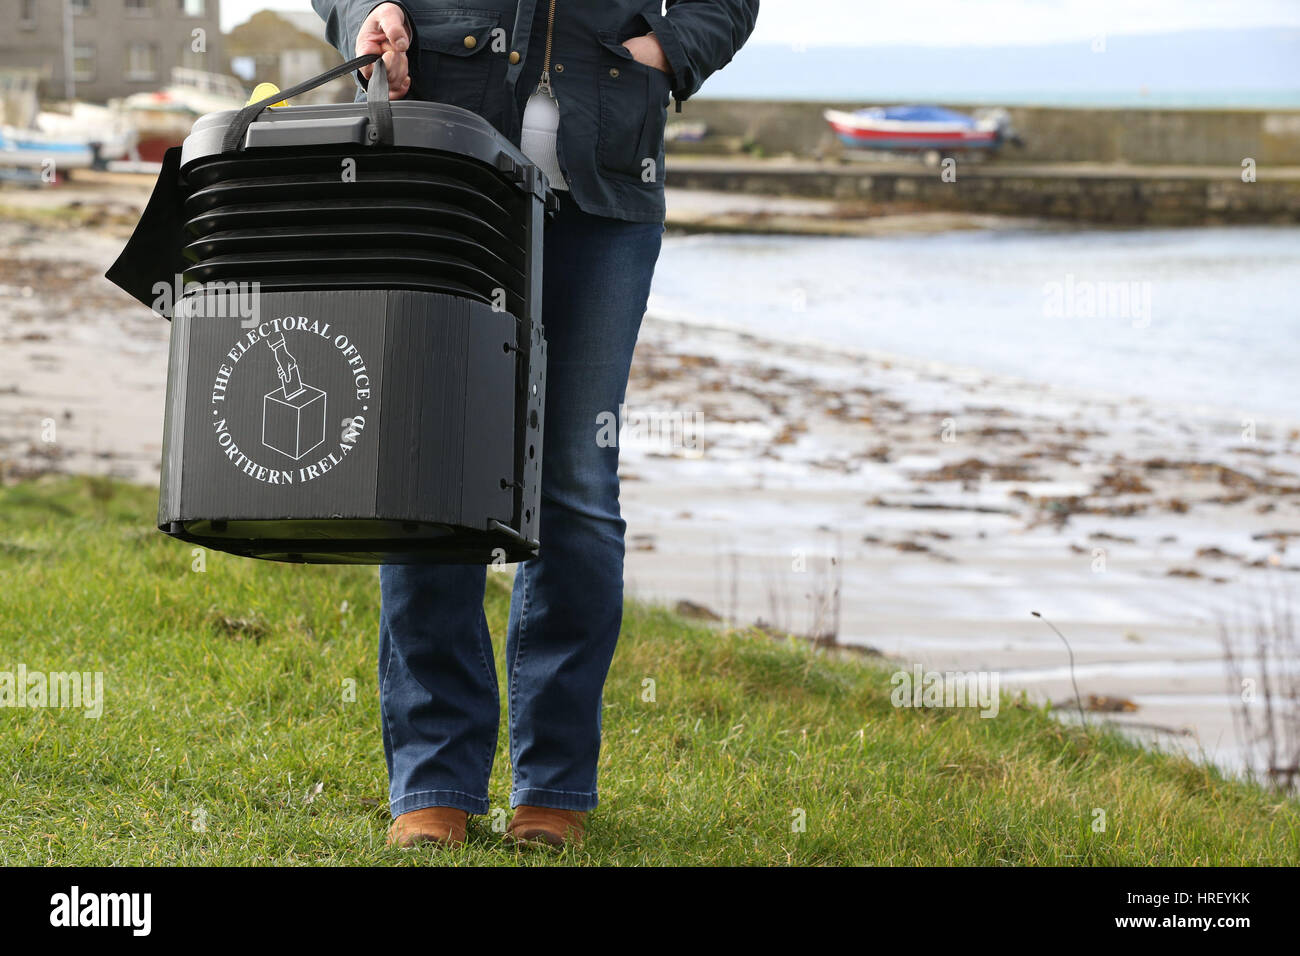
(1194, 68)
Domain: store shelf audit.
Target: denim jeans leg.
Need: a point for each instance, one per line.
(567, 604)
(439, 701)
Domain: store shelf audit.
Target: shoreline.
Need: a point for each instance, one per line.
(1108, 193)
(946, 549)
(958, 372)
(811, 451)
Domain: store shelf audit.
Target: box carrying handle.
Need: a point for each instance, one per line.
(381, 110)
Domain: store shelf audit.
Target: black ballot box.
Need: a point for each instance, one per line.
(357, 361)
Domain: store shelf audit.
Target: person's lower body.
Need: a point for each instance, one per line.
(439, 697)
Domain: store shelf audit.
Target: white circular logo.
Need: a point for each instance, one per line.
(289, 401)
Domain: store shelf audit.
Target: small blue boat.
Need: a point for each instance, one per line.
(34, 150)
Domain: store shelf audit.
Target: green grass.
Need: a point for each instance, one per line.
(224, 704)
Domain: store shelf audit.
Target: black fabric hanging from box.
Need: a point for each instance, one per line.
(357, 361)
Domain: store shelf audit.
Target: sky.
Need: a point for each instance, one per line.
(810, 23)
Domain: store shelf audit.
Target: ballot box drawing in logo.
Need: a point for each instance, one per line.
(293, 415)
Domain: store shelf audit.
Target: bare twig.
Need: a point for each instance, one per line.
(1078, 699)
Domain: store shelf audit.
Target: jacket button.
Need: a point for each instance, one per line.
(613, 71)
(470, 43)
(559, 68)
(514, 56)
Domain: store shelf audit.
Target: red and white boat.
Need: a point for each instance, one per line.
(919, 128)
(163, 118)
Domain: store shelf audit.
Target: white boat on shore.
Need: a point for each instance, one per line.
(27, 151)
(110, 134)
(32, 149)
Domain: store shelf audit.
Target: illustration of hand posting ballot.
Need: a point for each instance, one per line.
(293, 416)
(287, 367)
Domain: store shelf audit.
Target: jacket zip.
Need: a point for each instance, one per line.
(544, 85)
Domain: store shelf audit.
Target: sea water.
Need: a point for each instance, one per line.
(1204, 318)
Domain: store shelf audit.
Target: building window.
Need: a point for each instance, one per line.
(139, 8)
(141, 61)
(193, 8)
(83, 63)
(81, 7)
(27, 14)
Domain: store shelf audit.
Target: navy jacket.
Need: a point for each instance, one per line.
(487, 56)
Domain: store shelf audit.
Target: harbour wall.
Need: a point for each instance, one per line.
(1195, 137)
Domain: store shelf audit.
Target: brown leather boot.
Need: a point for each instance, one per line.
(546, 826)
(442, 825)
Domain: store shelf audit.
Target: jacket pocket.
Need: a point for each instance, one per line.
(457, 65)
(633, 111)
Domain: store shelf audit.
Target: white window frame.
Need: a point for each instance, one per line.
(140, 75)
(85, 51)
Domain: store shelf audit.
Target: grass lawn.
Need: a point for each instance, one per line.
(229, 736)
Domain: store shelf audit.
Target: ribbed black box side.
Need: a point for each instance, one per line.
(446, 436)
(173, 449)
(423, 431)
(487, 488)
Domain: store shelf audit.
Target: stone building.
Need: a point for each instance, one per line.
(285, 47)
(115, 48)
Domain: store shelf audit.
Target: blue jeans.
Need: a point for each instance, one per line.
(437, 681)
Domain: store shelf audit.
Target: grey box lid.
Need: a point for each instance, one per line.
(417, 124)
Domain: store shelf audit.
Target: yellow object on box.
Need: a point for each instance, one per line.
(262, 92)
